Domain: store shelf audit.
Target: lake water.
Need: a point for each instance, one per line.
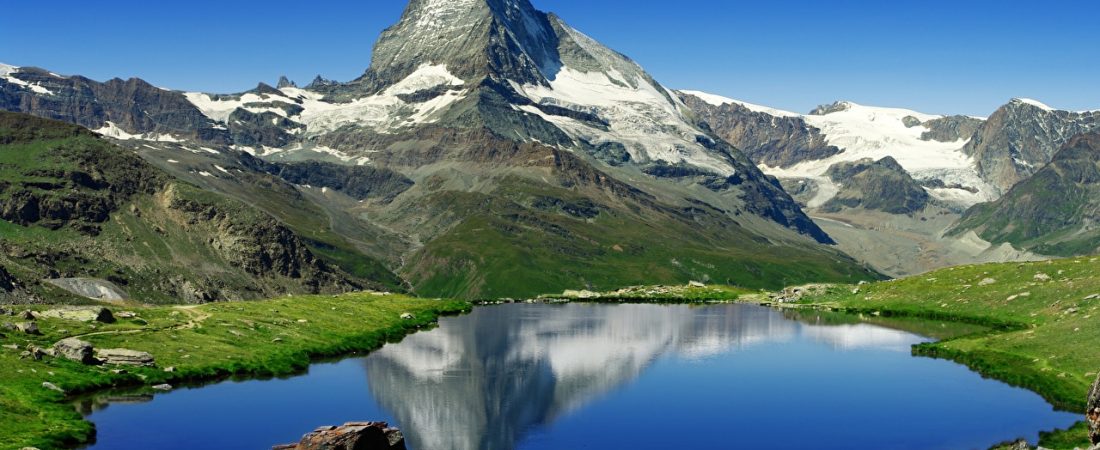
(579, 376)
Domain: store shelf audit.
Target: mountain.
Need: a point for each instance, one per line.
(894, 216)
(490, 150)
(1055, 211)
(879, 185)
(82, 217)
(1023, 136)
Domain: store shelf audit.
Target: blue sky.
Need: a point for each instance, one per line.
(960, 56)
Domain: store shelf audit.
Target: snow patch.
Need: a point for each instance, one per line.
(6, 70)
(641, 116)
(718, 100)
(873, 132)
(1035, 103)
(221, 169)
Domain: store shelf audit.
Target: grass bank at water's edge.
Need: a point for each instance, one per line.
(264, 338)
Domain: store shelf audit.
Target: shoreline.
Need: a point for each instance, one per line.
(55, 422)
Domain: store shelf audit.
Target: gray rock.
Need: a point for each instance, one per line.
(80, 313)
(52, 387)
(163, 387)
(75, 350)
(352, 435)
(124, 357)
(92, 288)
(407, 316)
(28, 328)
(1092, 412)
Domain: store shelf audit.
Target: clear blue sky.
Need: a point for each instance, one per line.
(936, 56)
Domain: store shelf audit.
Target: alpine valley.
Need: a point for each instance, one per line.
(490, 152)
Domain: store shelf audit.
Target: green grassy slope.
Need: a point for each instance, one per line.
(530, 238)
(75, 205)
(272, 337)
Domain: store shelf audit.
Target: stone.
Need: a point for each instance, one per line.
(28, 328)
(124, 357)
(407, 316)
(126, 315)
(80, 314)
(1093, 297)
(75, 350)
(27, 315)
(1092, 412)
(1041, 277)
(35, 353)
(987, 282)
(52, 387)
(352, 435)
(163, 387)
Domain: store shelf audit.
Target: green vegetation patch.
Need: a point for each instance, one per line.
(264, 338)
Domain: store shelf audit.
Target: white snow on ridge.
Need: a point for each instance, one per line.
(642, 118)
(718, 100)
(1034, 103)
(384, 111)
(6, 70)
(874, 132)
(113, 131)
(6, 73)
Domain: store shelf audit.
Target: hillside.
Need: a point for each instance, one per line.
(1053, 212)
(83, 216)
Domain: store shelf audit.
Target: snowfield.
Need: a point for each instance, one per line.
(875, 132)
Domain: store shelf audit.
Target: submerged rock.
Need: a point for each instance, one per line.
(350, 436)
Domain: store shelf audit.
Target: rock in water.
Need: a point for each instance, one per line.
(1093, 412)
(74, 349)
(125, 357)
(351, 436)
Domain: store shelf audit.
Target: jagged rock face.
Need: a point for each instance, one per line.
(951, 128)
(473, 38)
(774, 141)
(358, 182)
(879, 185)
(1021, 137)
(134, 106)
(1054, 212)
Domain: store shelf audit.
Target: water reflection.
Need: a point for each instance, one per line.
(481, 381)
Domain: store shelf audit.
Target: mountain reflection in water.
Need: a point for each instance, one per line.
(482, 380)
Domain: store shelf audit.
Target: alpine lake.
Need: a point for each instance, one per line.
(600, 376)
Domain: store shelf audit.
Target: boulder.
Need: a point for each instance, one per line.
(407, 316)
(1092, 413)
(351, 436)
(28, 328)
(74, 349)
(124, 357)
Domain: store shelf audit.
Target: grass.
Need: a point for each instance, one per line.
(509, 245)
(264, 338)
(1043, 325)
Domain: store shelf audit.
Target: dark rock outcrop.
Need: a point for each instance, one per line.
(1021, 137)
(1092, 412)
(766, 139)
(879, 185)
(951, 128)
(350, 436)
(132, 105)
(359, 182)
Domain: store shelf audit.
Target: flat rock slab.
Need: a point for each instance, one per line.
(124, 357)
(79, 313)
(93, 288)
